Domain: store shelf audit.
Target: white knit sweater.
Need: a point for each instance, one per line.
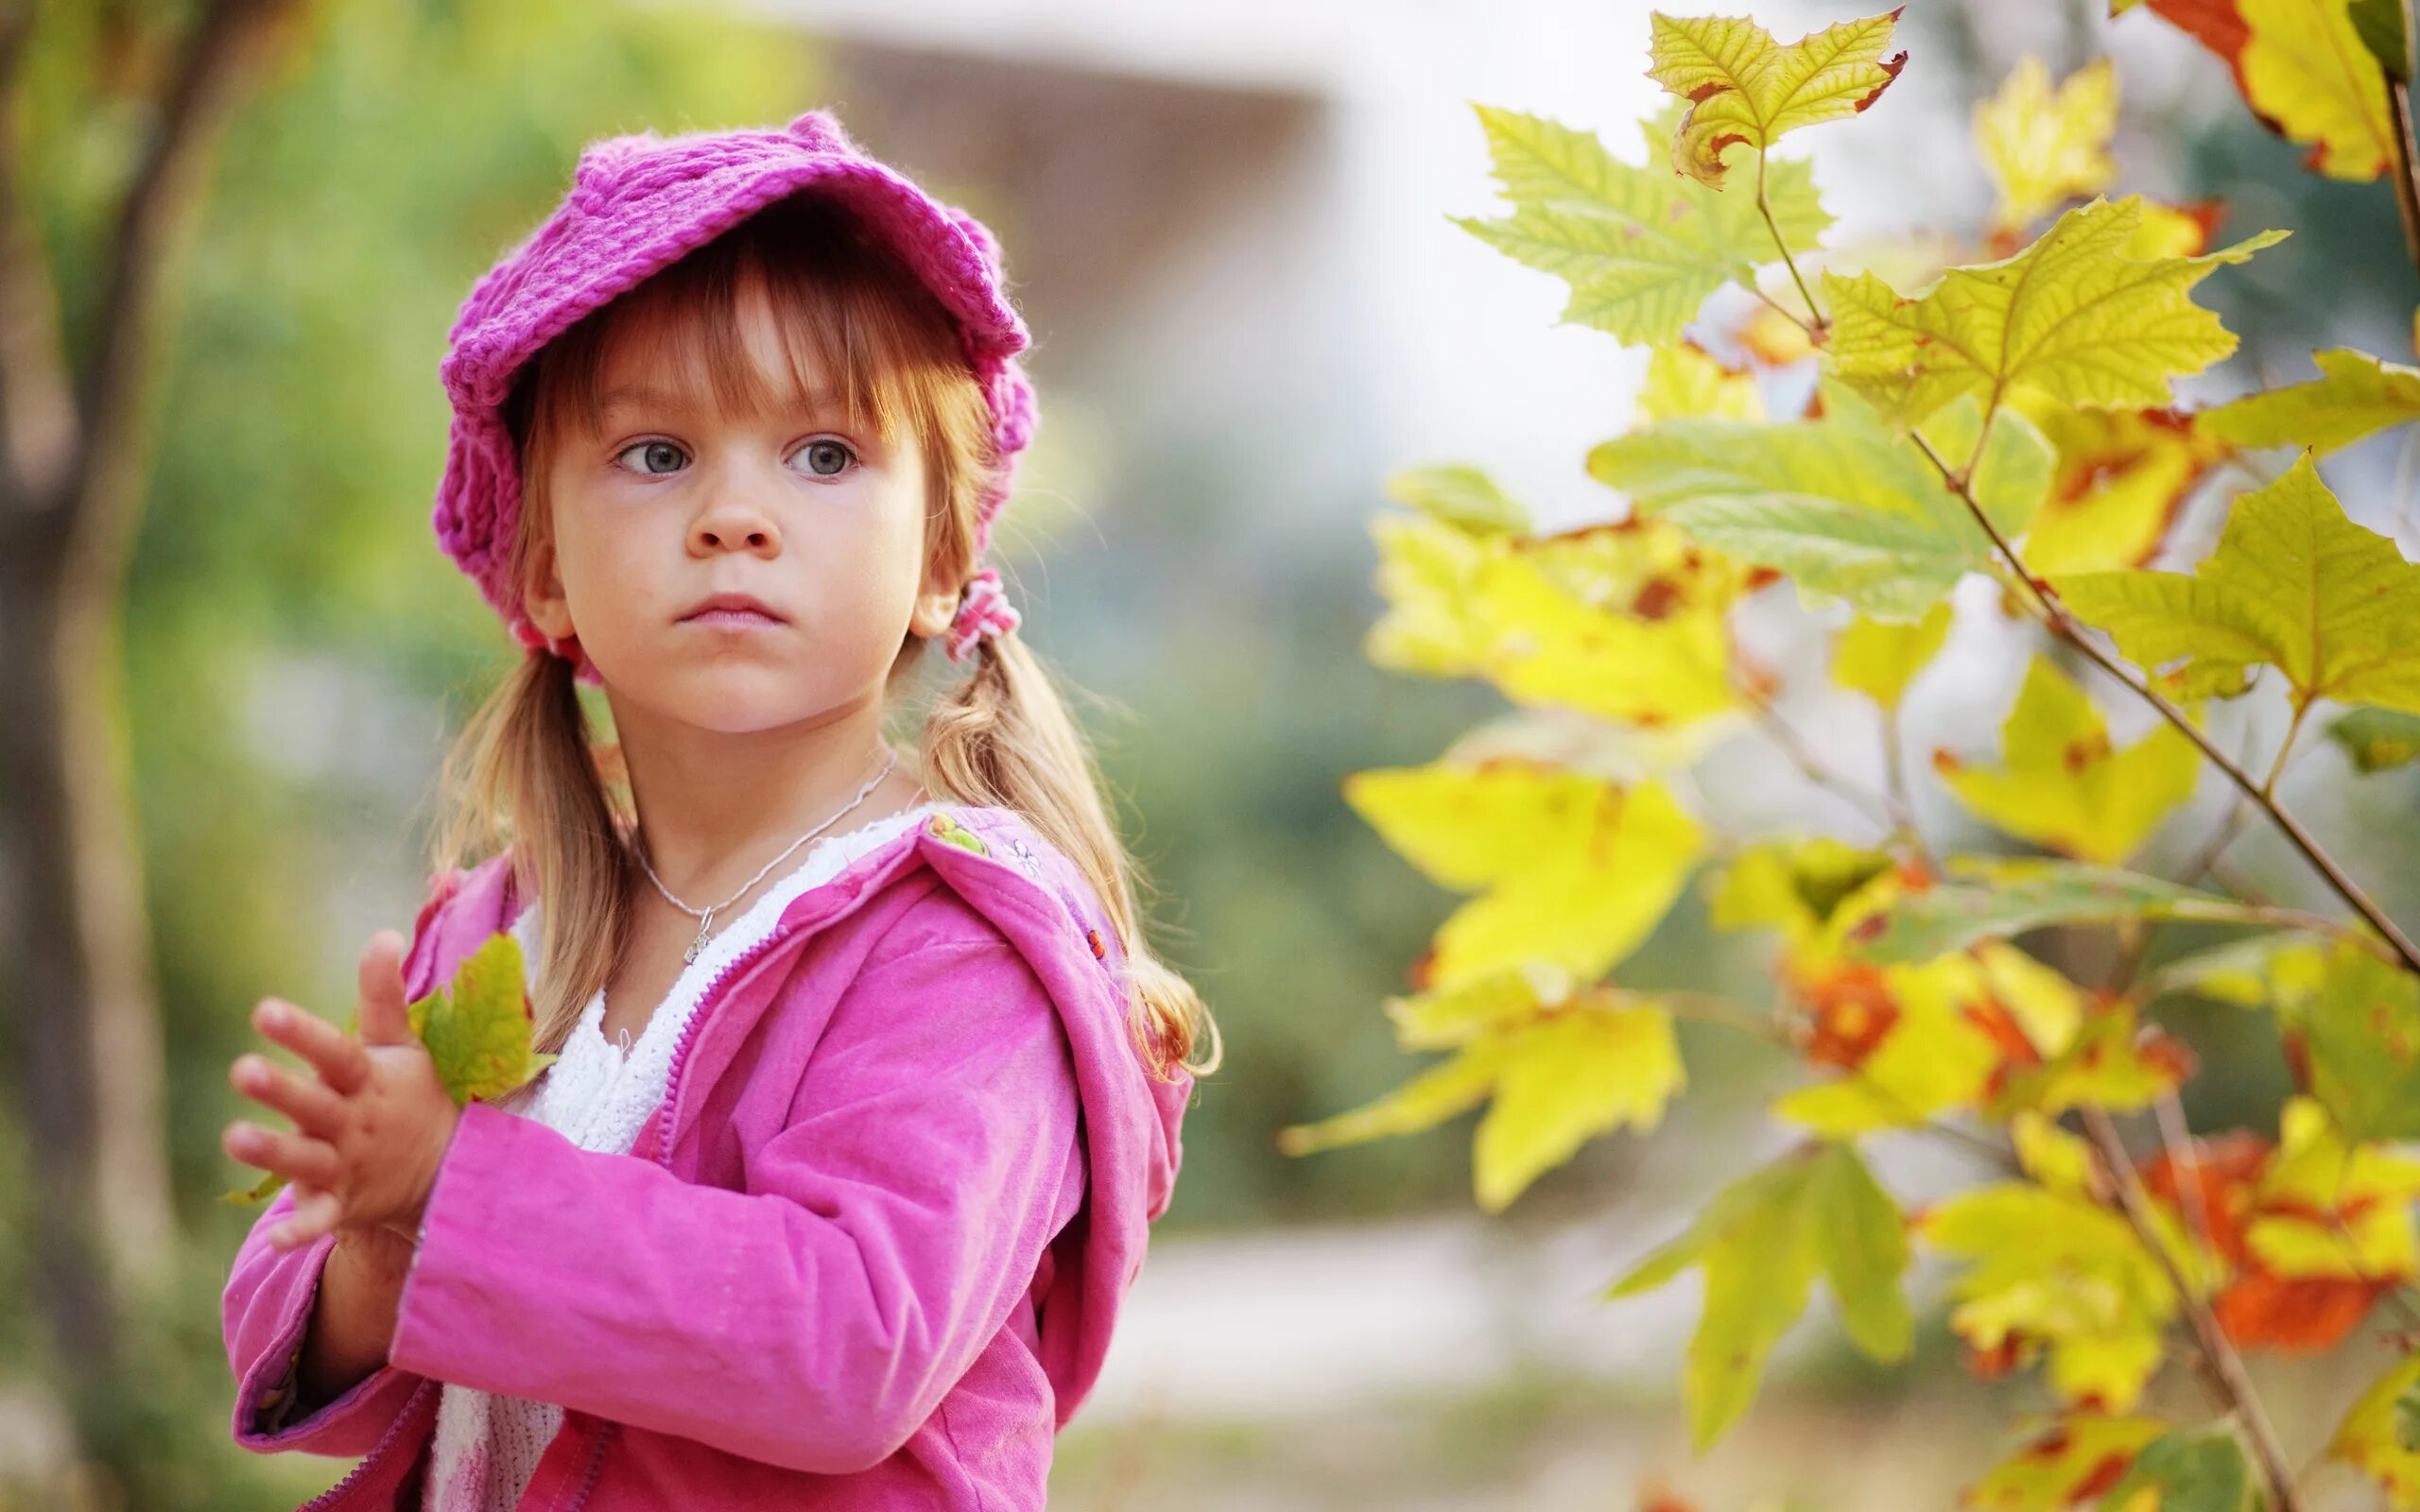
(488, 1446)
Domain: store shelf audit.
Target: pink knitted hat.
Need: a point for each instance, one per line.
(639, 203)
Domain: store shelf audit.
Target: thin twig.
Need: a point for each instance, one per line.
(1815, 331)
(2069, 627)
(2225, 1366)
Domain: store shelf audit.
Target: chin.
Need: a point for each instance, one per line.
(727, 695)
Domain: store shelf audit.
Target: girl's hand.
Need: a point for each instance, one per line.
(369, 1129)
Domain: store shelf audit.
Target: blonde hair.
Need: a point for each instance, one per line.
(527, 772)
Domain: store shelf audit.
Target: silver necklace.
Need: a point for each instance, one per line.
(705, 916)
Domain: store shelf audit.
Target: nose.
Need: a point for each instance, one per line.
(734, 521)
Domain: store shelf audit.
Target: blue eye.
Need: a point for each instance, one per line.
(826, 458)
(655, 451)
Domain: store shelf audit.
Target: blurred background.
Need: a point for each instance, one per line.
(1228, 227)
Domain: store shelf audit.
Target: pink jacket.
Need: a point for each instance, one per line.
(866, 1254)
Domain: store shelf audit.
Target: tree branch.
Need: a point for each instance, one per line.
(2069, 628)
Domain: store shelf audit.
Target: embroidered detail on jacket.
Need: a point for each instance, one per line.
(942, 826)
(1025, 858)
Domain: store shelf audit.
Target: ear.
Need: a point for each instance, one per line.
(934, 609)
(541, 596)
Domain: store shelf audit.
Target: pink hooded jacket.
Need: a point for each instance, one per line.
(866, 1254)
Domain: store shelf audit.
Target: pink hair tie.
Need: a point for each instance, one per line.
(984, 611)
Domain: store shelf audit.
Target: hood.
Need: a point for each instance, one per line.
(1037, 898)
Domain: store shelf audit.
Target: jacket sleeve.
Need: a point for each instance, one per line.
(815, 1319)
(266, 1308)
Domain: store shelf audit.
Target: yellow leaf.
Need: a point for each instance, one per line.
(1879, 658)
(1744, 86)
(2366, 1439)
(1589, 1065)
(2060, 1162)
(2063, 784)
(1578, 870)
(1794, 885)
(1625, 622)
(2356, 395)
(2305, 70)
(2044, 147)
(2123, 477)
(1455, 1016)
(2336, 1207)
(2044, 1004)
(2058, 1270)
(1934, 1057)
(2071, 316)
(1683, 378)
(2294, 584)
(2113, 1062)
(2060, 1468)
(1575, 1076)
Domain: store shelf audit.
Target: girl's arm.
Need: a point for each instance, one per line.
(816, 1319)
(314, 1323)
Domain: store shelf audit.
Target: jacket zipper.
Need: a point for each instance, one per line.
(670, 1108)
(329, 1497)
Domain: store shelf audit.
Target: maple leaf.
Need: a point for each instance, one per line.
(477, 1029)
(2072, 318)
(1879, 658)
(2123, 477)
(1839, 504)
(1572, 870)
(1683, 378)
(2307, 75)
(2292, 584)
(1640, 248)
(2063, 784)
(2043, 148)
(1761, 1241)
(2079, 1457)
(1559, 1075)
(2356, 395)
(1626, 621)
(1744, 86)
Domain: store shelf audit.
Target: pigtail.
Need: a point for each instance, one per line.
(1004, 737)
(525, 773)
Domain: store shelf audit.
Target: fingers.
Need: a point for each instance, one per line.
(385, 1019)
(296, 1157)
(336, 1055)
(317, 1210)
(305, 1099)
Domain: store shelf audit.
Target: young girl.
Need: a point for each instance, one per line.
(868, 1085)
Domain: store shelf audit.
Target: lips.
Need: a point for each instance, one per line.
(734, 610)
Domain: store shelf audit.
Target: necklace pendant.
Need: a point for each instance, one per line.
(705, 923)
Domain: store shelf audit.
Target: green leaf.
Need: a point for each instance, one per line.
(1762, 1241)
(1744, 86)
(2202, 1468)
(1845, 508)
(2354, 396)
(2071, 316)
(478, 1030)
(1640, 248)
(478, 1033)
(1462, 496)
(2380, 24)
(2009, 897)
(2294, 584)
(2376, 739)
(2359, 1037)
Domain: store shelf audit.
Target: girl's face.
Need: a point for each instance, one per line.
(673, 500)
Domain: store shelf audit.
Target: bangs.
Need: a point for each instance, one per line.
(859, 336)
